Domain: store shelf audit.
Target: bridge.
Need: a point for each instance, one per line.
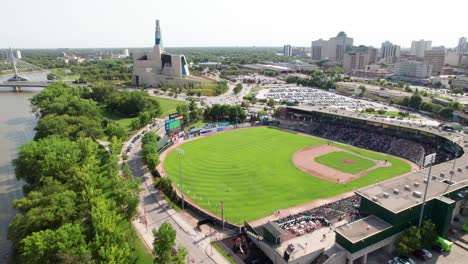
(23, 74)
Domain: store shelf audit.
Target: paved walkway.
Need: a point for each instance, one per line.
(154, 210)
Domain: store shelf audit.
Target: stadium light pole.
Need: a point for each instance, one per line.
(428, 160)
(181, 152)
(455, 140)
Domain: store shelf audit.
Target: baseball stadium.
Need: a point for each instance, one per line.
(315, 167)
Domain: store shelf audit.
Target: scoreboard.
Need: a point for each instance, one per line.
(174, 124)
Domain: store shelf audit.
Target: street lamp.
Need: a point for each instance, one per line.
(428, 160)
(181, 152)
(455, 140)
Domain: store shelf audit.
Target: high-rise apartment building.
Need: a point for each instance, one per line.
(436, 58)
(462, 45)
(418, 47)
(413, 69)
(334, 49)
(319, 50)
(389, 52)
(357, 58)
(287, 50)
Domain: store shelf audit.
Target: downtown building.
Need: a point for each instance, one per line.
(462, 45)
(436, 58)
(390, 53)
(419, 47)
(287, 50)
(412, 71)
(333, 49)
(156, 67)
(357, 58)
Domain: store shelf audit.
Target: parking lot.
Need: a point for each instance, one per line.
(457, 255)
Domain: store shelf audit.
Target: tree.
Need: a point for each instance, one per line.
(64, 245)
(381, 112)
(409, 241)
(67, 126)
(103, 91)
(446, 112)
(428, 234)
(363, 89)
(271, 102)
(164, 242)
(238, 88)
(415, 101)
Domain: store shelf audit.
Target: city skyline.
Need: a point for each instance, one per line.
(207, 23)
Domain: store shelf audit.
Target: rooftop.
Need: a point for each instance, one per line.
(394, 122)
(362, 228)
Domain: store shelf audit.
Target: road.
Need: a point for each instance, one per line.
(154, 211)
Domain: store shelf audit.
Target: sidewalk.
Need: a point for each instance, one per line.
(154, 210)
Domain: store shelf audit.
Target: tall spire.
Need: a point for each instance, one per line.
(157, 36)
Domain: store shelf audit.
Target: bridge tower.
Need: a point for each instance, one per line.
(16, 77)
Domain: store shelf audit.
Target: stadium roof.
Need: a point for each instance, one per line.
(362, 228)
(392, 122)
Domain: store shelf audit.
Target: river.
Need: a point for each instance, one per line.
(16, 128)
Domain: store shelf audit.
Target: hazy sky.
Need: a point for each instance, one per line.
(121, 23)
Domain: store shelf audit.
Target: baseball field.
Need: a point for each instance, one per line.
(257, 171)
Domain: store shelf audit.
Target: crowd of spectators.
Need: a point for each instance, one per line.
(376, 140)
(321, 216)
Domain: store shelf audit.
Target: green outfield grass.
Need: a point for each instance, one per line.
(336, 159)
(252, 171)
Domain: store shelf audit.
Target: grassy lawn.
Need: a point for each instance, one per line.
(251, 170)
(224, 253)
(206, 89)
(125, 122)
(254, 90)
(196, 124)
(335, 160)
(388, 113)
(168, 106)
(144, 255)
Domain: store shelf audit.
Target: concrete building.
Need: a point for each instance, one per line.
(390, 53)
(287, 50)
(460, 81)
(319, 50)
(453, 58)
(462, 45)
(299, 51)
(334, 49)
(157, 66)
(419, 47)
(413, 69)
(357, 58)
(436, 58)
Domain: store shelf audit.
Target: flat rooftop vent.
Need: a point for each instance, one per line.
(459, 169)
(407, 188)
(466, 166)
(385, 195)
(396, 191)
(417, 194)
(425, 179)
(442, 174)
(416, 184)
(375, 199)
(434, 177)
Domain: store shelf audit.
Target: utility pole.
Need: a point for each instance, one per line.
(455, 140)
(428, 160)
(181, 152)
(222, 212)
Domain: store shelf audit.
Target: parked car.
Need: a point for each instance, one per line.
(408, 260)
(423, 254)
(401, 260)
